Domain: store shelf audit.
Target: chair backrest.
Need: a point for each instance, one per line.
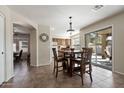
(20, 54)
(86, 54)
(72, 53)
(55, 53)
(72, 49)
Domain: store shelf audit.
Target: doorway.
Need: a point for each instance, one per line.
(2, 50)
(24, 38)
(21, 48)
(101, 43)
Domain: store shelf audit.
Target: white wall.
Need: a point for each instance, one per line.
(19, 19)
(33, 42)
(33, 48)
(22, 30)
(117, 23)
(8, 43)
(40, 51)
(51, 44)
(32, 29)
(43, 47)
(10, 18)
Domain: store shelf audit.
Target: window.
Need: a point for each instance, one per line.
(76, 41)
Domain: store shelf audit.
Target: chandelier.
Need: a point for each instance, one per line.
(70, 29)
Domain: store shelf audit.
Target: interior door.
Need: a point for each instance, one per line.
(2, 56)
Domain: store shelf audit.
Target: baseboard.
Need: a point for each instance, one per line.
(1, 84)
(33, 65)
(45, 64)
(6, 80)
(41, 64)
(9, 78)
(119, 73)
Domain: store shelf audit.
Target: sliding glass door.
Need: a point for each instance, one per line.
(90, 41)
(101, 43)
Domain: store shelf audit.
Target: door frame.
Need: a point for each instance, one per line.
(4, 48)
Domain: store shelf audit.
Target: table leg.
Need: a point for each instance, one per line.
(70, 68)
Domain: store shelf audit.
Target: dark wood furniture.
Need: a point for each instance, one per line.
(58, 60)
(83, 63)
(18, 56)
(68, 54)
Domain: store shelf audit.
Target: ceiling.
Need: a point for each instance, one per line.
(57, 16)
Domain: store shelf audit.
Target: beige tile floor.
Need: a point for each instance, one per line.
(43, 77)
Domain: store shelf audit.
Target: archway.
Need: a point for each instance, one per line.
(24, 40)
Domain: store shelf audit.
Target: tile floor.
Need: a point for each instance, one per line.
(43, 77)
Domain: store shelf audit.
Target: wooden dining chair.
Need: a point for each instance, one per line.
(83, 64)
(70, 55)
(18, 57)
(58, 60)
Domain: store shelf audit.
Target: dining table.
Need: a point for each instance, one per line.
(67, 54)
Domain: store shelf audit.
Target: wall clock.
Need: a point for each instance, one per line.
(44, 37)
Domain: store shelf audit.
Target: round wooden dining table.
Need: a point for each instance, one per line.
(69, 52)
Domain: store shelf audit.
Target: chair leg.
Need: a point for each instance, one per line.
(90, 70)
(82, 78)
(82, 70)
(18, 59)
(71, 67)
(91, 77)
(67, 66)
(54, 67)
(57, 70)
(63, 65)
